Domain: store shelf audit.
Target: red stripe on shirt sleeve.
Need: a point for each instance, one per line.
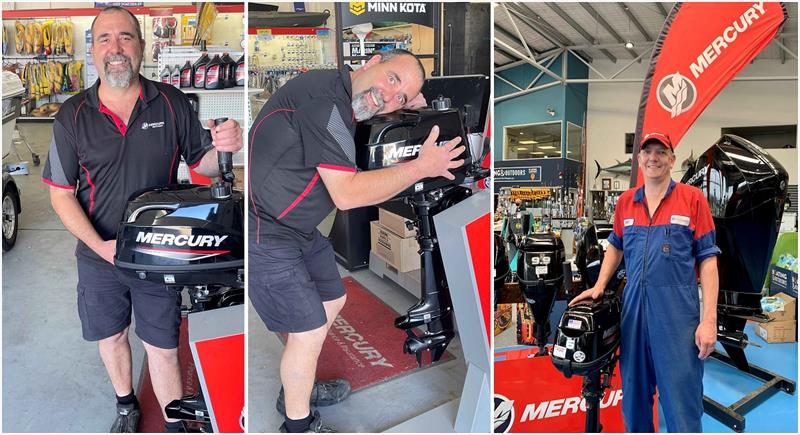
(336, 167)
(60, 186)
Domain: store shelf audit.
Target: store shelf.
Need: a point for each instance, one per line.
(36, 118)
(213, 91)
(91, 12)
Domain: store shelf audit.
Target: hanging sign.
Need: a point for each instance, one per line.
(372, 12)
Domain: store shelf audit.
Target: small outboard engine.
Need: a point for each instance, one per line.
(188, 236)
(588, 334)
(540, 270)
(392, 139)
(746, 191)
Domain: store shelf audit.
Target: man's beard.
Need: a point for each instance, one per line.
(119, 79)
(362, 109)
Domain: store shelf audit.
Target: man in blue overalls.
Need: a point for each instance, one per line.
(666, 234)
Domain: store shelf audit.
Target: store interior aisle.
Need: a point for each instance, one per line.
(53, 380)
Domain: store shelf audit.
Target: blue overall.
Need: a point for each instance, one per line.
(661, 305)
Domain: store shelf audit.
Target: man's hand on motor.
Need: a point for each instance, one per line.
(705, 337)
(593, 293)
(417, 102)
(226, 136)
(106, 250)
(436, 161)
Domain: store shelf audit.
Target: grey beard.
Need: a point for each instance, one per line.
(120, 79)
(361, 109)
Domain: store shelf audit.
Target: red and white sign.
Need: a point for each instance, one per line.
(530, 395)
(702, 46)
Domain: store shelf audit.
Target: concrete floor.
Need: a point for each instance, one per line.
(373, 409)
(53, 380)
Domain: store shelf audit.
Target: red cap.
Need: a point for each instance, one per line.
(660, 137)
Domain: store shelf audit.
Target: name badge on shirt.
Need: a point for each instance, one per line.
(627, 222)
(679, 220)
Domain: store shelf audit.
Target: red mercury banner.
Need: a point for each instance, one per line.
(702, 46)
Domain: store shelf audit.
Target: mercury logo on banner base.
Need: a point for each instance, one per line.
(503, 414)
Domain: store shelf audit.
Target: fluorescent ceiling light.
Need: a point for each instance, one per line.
(547, 147)
(522, 149)
(528, 142)
(537, 153)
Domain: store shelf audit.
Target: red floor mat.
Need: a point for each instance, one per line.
(363, 346)
(152, 419)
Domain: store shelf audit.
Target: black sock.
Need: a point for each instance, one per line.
(128, 399)
(298, 426)
(173, 426)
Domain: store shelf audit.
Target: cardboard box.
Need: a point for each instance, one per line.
(777, 332)
(782, 281)
(789, 309)
(396, 223)
(401, 253)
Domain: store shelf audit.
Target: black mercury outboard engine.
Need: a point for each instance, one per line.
(588, 334)
(188, 236)
(746, 190)
(388, 140)
(540, 272)
(501, 268)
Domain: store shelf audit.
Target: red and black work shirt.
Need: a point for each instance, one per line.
(94, 151)
(307, 124)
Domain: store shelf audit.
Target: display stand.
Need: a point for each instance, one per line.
(733, 416)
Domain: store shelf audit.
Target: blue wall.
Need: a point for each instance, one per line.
(569, 102)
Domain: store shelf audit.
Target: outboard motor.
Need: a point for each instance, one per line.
(746, 191)
(501, 269)
(541, 273)
(388, 140)
(188, 236)
(588, 334)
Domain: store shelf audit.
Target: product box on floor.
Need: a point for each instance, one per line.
(396, 223)
(782, 281)
(777, 331)
(787, 312)
(401, 253)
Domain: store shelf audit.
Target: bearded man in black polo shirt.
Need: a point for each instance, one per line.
(302, 165)
(124, 134)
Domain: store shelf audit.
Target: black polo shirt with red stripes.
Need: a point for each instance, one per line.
(307, 124)
(105, 161)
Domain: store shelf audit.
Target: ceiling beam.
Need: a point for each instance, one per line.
(662, 9)
(597, 17)
(627, 10)
(508, 35)
(565, 16)
(538, 25)
(505, 53)
(519, 34)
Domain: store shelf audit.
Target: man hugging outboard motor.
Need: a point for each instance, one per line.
(588, 334)
(188, 236)
(392, 139)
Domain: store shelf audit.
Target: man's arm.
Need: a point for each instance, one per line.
(358, 189)
(706, 334)
(75, 221)
(611, 261)
(226, 137)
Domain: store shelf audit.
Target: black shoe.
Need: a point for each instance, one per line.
(127, 419)
(324, 393)
(316, 425)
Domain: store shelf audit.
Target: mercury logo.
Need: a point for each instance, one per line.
(146, 125)
(561, 407)
(676, 94)
(406, 151)
(193, 241)
(357, 8)
(503, 414)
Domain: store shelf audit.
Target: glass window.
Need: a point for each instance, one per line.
(532, 141)
(574, 139)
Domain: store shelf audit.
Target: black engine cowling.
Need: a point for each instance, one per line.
(179, 236)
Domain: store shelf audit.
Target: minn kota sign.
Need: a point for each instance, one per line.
(372, 12)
